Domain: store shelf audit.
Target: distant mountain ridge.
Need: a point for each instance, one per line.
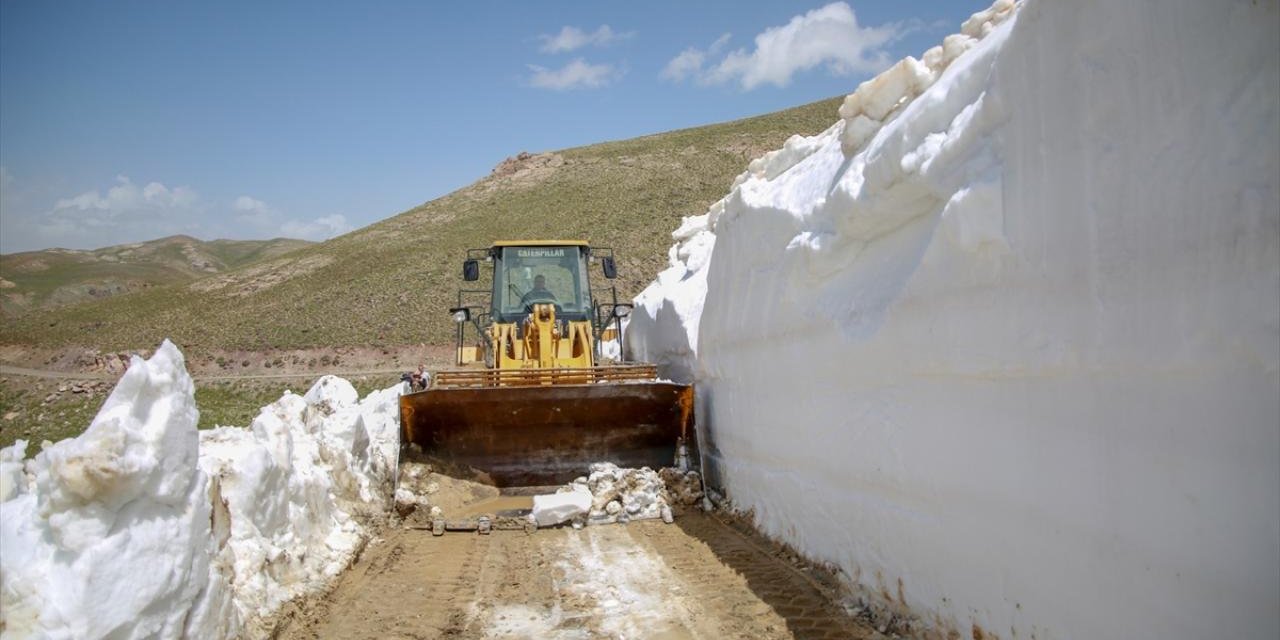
(392, 282)
(53, 278)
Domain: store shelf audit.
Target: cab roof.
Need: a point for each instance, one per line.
(540, 243)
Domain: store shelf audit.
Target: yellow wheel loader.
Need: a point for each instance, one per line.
(533, 400)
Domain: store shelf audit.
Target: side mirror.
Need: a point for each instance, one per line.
(471, 270)
(622, 310)
(460, 314)
(610, 269)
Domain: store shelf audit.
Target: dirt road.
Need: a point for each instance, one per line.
(7, 370)
(697, 578)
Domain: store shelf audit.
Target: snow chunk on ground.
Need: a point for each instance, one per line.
(555, 508)
(684, 488)
(620, 494)
(144, 527)
(616, 494)
(415, 487)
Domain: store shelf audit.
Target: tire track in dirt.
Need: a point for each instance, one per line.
(724, 598)
(809, 613)
(698, 580)
(406, 586)
(622, 586)
(521, 595)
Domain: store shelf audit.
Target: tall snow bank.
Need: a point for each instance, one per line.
(144, 527)
(110, 536)
(1004, 343)
(293, 494)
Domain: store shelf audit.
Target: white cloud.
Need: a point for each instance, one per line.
(250, 205)
(254, 212)
(321, 228)
(126, 197)
(829, 36)
(690, 61)
(578, 74)
(573, 38)
(127, 212)
(265, 219)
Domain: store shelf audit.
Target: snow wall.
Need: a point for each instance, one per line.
(144, 527)
(1003, 344)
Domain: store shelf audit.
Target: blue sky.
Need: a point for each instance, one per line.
(122, 122)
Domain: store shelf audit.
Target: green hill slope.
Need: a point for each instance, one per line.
(391, 282)
(41, 280)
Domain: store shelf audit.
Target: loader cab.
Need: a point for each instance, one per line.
(562, 266)
(537, 275)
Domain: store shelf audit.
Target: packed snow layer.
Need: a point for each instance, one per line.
(144, 527)
(1004, 343)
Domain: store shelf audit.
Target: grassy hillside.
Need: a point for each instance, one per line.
(41, 280)
(391, 282)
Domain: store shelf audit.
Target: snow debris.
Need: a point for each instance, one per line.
(612, 494)
(145, 527)
(552, 509)
(619, 494)
(415, 487)
(1000, 299)
(684, 488)
(423, 493)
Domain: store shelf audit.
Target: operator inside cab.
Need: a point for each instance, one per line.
(539, 292)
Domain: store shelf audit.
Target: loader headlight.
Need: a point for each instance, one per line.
(622, 311)
(461, 314)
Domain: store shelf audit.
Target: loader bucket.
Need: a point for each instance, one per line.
(545, 435)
